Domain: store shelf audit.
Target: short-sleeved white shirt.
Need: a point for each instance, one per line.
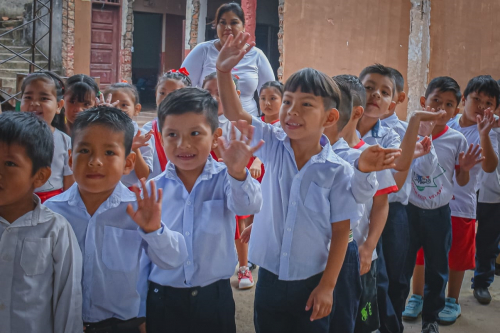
(60, 163)
(431, 189)
(490, 182)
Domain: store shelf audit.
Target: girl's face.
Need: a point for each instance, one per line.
(166, 87)
(229, 24)
(40, 98)
(270, 101)
(127, 102)
(213, 89)
(72, 106)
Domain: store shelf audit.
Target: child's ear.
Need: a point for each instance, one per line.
(60, 105)
(217, 135)
(463, 100)
(70, 160)
(392, 106)
(457, 110)
(129, 163)
(422, 101)
(332, 118)
(41, 176)
(401, 97)
(357, 112)
(137, 109)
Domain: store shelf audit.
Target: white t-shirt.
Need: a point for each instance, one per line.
(59, 167)
(253, 70)
(147, 153)
(464, 199)
(432, 188)
(387, 185)
(490, 182)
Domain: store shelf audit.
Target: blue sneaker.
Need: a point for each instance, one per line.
(414, 308)
(450, 313)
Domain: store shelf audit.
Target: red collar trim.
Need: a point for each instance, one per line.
(441, 133)
(360, 144)
(272, 123)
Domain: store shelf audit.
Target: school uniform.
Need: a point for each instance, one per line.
(40, 274)
(429, 217)
(463, 205)
(159, 157)
(488, 228)
(114, 281)
(147, 153)
(197, 295)
(59, 167)
(392, 248)
(348, 289)
(294, 226)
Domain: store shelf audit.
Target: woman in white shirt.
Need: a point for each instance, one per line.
(253, 70)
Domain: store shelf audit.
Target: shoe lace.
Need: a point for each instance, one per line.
(412, 304)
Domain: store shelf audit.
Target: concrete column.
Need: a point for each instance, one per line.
(418, 52)
(83, 10)
(250, 10)
(281, 13)
(196, 17)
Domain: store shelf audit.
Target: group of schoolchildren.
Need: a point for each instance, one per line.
(340, 201)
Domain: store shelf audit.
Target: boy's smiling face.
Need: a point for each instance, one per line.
(303, 115)
(476, 103)
(98, 159)
(439, 100)
(379, 91)
(188, 140)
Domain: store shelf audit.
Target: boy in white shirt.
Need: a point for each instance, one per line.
(432, 189)
(41, 266)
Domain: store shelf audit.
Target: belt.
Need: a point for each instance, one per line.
(112, 325)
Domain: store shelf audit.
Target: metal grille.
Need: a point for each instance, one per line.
(108, 2)
(40, 29)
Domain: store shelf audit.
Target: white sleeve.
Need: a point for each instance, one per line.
(243, 197)
(67, 294)
(166, 248)
(194, 64)
(147, 153)
(363, 185)
(266, 132)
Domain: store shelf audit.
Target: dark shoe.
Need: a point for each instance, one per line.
(430, 328)
(497, 269)
(482, 295)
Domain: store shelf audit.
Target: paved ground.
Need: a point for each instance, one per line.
(475, 317)
(144, 117)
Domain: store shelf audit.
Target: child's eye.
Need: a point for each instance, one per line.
(385, 93)
(286, 102)
(26, 97)
(86, 104)
(110, 153)
(83, 151)
(172, 135)
(195, 133)
(10, 164)
(449, 105)
(306, 104)
(436, 100)
(162, 93)
(368, 88)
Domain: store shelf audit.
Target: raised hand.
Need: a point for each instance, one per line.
(486, 122)
(148, 213)
(472, 157)
(256, 169)
(426, 127)
(429, 115)
(376, 158)
(101, 102)
(236, 153)
(233, 50)
(423, 147)
(141, 140)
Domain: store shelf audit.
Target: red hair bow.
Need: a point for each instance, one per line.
(124, 81)
(182, 70)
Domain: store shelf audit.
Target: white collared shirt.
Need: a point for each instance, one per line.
(40, 274)
(147, 153)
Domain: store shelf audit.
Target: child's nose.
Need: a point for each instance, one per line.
(95, 161)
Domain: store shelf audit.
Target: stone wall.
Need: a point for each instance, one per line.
(281, 13)
(68, 37)
(127, 42)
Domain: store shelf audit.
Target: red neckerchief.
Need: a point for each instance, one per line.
(274, 122)
(160, 152)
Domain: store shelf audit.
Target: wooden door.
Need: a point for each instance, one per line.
(105, 37)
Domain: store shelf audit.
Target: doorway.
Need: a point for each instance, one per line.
(146, 55)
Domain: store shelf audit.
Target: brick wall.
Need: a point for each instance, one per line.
(127, 42)
(68, 37)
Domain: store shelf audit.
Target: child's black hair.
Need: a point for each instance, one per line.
(444, 84)
(312, 81)
(483, 84)
(345, 107)
(398, 79)
(32, 133)
(123, 86)
(112, 118)
(213, 76)
(58, 121)
(189, 100)
(176, 76)
(273, 84)
(358, 92)
(80, 85)
(379, 69)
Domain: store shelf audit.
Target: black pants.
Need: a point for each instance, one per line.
(280, 305)
(114, 325)
(487, 239)
(191, 310)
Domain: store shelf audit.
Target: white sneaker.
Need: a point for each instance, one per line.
(245, 279)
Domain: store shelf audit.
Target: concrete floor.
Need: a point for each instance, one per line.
(475, 317)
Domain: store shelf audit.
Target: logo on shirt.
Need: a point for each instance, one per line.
(421, 182)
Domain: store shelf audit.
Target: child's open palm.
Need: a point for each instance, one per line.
(376, 158)
(423, 147)
(472, 157)
(236, 153)
(148, 213)
(141, 140)
(486, 122)
(233, 50)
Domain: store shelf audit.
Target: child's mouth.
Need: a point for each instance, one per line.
(95, 176)
(186, 156)
(293, 125)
